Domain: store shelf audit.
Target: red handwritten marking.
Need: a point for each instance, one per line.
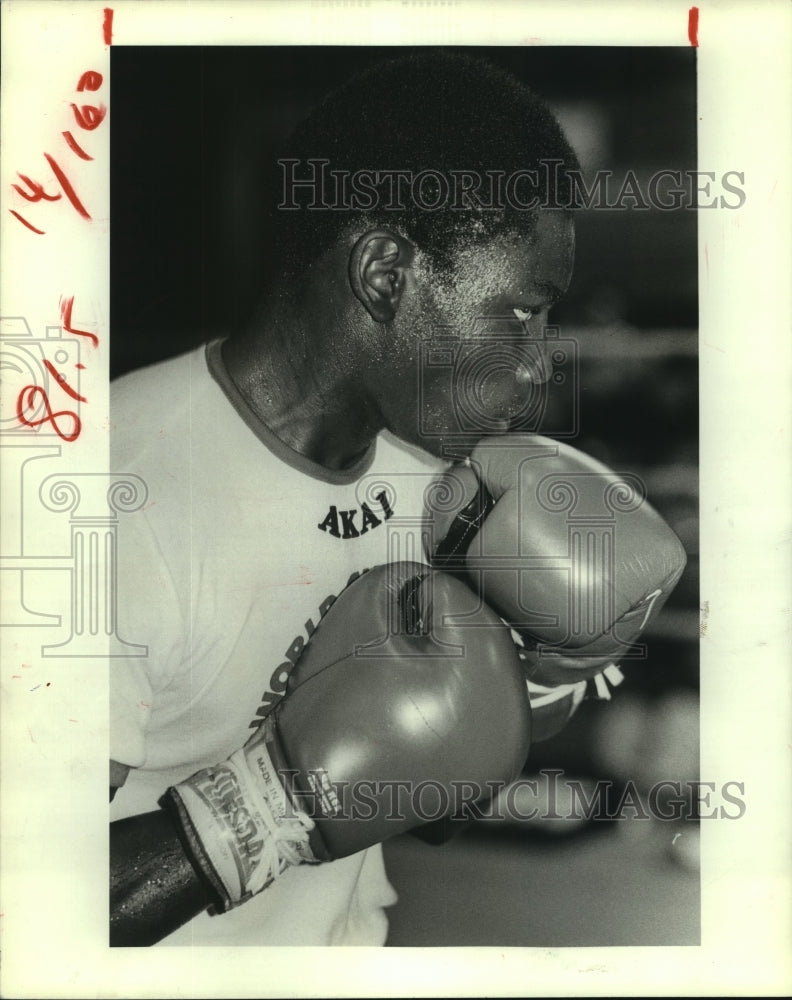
(27, 399)
(89, 117)
(26, 223)
(71, 194)
(72, 144)
(66, 307)
(693, 21)
(37, 191)
(60, 378)
(90, 80)
(107, 26)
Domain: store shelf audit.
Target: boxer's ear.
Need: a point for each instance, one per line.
(378, 264)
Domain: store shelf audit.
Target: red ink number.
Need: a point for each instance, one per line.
(66, 306)
(27, 400)
(90, 80)
(74, 147)
(37, 193)
(26, 223)
(89, 117)
(68, 189)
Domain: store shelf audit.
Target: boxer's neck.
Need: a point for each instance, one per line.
(298, 370)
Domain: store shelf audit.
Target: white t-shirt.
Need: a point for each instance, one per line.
(224, 573)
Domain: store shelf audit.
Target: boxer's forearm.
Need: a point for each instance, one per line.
(153, 886)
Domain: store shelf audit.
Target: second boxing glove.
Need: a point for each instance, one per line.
(567, 551)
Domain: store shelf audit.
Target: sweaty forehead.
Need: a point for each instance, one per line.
(531, 266)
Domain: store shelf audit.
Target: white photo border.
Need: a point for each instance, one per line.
(54, 764)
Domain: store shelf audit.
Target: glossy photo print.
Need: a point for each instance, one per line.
(380, 435)
(260, 168)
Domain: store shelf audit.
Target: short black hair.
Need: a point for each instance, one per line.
(432, 110)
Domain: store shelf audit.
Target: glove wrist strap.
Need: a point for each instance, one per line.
(240, 825)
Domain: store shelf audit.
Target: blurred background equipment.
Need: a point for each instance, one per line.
(190, 126)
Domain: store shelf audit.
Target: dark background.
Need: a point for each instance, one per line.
(189, 126)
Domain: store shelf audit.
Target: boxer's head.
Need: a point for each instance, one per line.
(438, 182)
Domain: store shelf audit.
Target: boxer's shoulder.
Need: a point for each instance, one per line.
(154, 410)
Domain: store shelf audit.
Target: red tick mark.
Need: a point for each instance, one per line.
(693, 21)
(107, 26)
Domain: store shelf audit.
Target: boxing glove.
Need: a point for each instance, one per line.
(393, 713)
(569, 553)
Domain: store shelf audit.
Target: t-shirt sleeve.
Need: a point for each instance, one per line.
(149, 617)
(131, 699)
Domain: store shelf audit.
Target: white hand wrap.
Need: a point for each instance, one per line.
(240, 825)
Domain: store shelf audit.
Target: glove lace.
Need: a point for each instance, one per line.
(284, 836)
(281, 850)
